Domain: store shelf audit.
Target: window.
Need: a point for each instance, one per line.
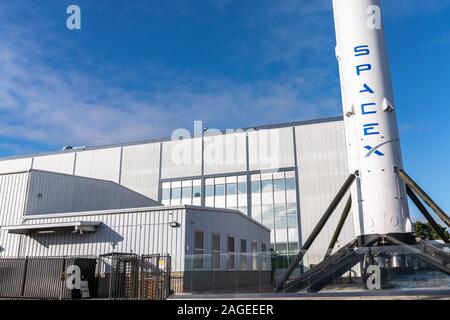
(199, 249)
(231, 189)
(264, 256)
(256, 186)
(209, 192)
(242, 194)
(267, 216)
(176, 197)
(197, 192)
(242, 187)
(254, 255)
(267, 204)
(165, 197)
(290, 184)
(256, 197)
(266, 186)
(292, 222)
(186, 197)
(231, 252)
(282, 257)
(220, 190)
(215, 251)
(280, 227)
(244, 258)
(232, 195)
(219, 199)
(278, 185)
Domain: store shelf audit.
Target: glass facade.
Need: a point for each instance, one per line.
(176, 193)
(274, 204)
(272, 199)
(227, 192)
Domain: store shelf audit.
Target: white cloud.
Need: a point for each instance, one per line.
(45, 105)
(41, 104)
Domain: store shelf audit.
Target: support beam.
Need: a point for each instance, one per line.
(348, 207)
(422, 252)
(415, 187)
(331, 268)
(337, 199)
(426, 214)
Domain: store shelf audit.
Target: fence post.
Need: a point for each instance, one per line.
(24, 277)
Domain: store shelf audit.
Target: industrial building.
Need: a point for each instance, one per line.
(175, 195)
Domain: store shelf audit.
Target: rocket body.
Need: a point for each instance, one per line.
(373, 146)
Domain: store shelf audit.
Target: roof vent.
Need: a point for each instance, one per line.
(74, 148)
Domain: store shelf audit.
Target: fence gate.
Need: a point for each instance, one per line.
(130, 276)
(155, 277)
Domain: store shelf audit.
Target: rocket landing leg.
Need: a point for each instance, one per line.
(363, 247)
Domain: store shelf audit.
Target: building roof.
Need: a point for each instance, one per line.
(262, 127)
(76, 226)
(37, 217)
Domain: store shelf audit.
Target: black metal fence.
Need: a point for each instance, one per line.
(43, 277)
(110, 276)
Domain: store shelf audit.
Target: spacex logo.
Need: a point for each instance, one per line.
(374, 150)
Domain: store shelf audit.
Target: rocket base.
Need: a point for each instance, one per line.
(336, 264)
(407, 238)
(389, 254)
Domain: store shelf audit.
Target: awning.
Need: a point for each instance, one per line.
(49, 228)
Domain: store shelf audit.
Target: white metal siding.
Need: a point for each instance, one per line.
(322, 165)
(61, 163)
(140, 232)
(140, 169)
(100, 164)
(226, 224)
(13, 189)
(181, 158)
(58, 193)
(12, 203)
(15, 165)
(271, 149)
(225, 153)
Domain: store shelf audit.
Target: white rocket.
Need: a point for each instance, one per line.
(379, 197)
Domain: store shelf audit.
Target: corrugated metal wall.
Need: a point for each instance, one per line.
(225, 153)
(140, 169)
(322, 165)
(226, 224)
(100, 164)
(58, 193)
(13, 189)
(15, 165)
(181, 158)
(142, 232)
(61, 163)
(271, 149)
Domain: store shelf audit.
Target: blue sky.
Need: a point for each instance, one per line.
(139, 69)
